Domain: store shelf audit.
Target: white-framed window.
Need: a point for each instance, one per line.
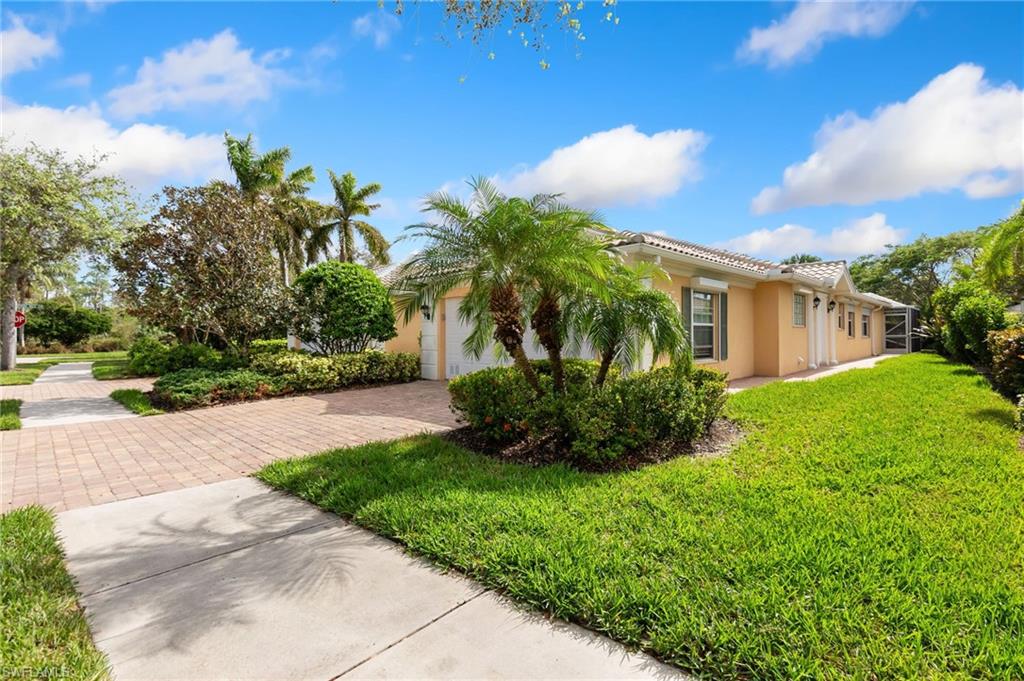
(799, 309)
(865, 324)
(851, 320)
(703, 321)
(842, 315)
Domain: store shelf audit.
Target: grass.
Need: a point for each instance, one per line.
(870, 525)
(45, 633)
(24, 374)
(10, 414)
(136, 401)
(110, 369)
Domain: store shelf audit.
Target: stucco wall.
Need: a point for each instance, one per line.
(792, 339)
(408, 338)
(858, 347)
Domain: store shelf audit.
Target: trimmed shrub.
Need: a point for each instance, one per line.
(192, 356)
(202, 387)
(967, 312)
(709, 388)
(302, 372)
(101, 344)
(261, 347)
(148, 357)
(1007, 351)
(341, 307)
(50, 322)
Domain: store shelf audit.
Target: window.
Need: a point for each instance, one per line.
(703, 325)
(799, 309)
(865, 325)
(851, 319)
(840, 316)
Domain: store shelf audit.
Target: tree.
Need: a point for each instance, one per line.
(912, 273)
(619, 326)
(263, 177)
(515, 254)
(95, 288)
(341, 307)
(52, 209)
(61, 322)
(799, 258)
(966, 311)
(1001, 261)
(351, 202)
(201, 266)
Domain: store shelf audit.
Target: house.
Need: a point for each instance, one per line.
(746, 316)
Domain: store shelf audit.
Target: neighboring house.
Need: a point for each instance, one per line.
(747, 317)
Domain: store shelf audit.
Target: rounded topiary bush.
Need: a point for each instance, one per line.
(341, 307)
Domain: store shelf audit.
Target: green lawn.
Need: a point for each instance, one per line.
(25, 374)
(109, 369)
(870, 525)
(136, 401)
(10, 414)
(45, 634)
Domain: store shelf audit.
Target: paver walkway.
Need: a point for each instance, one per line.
(92, 463)
(39, 412)
(234, 580)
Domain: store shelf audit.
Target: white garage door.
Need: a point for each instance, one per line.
(455, 334)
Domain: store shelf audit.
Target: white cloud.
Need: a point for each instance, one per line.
(958, 132)
(801, 33)
(214, 71)
(379, 25)
(614, 167)
(23, 50)
(142, 154)
(77, 80)
(866, 235)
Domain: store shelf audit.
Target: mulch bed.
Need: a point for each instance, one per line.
(721, 437)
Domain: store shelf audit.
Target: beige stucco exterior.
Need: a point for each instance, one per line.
(764, 337)
(408, 338)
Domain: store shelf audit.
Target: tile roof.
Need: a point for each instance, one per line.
(713, 255)
(830, 269)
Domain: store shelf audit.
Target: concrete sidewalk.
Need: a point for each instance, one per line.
(807, 375)
(62, 411)
(234, 580)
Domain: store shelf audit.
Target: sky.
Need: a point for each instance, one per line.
(768, 128)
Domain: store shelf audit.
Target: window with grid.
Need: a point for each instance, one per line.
(865, 325)
(799, 309)
(851, 320)
(840, 316)
(703, 325)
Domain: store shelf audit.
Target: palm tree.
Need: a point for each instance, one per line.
(632, 315)
(351, 202)
(799, 258)
(263, 176)
(1002, 250)
(516, 255)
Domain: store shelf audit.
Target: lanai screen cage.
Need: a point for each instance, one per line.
(901, 329)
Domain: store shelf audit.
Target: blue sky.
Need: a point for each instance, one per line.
(893, 120)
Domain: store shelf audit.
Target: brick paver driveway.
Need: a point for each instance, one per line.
(91, 463)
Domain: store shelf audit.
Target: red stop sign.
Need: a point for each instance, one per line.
(19, 319)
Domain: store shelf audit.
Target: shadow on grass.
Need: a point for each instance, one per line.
(998, 416)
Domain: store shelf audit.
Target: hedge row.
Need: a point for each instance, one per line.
(281, 373)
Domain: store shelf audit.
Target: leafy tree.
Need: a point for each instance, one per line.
(95, 287)
(263, 177)
(912, 273)
(799, 258)
(517, 255)
(52, 209)
(350, 203)
(632, 315)
(341, 307)
(201, 265)
(61, 322)
(1001, 261)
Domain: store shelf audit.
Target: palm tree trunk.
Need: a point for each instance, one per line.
(505, 306)
(602, 372)
(545, 320)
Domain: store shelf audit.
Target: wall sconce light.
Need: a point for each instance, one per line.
(425, 311)
(817, 302)
(831, 305)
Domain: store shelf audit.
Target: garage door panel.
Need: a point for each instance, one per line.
(457, 362)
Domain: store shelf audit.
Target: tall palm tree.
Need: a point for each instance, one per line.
(1002, 251)
(263, 177)
(631, 317)
(350, 203)
(517, 256)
